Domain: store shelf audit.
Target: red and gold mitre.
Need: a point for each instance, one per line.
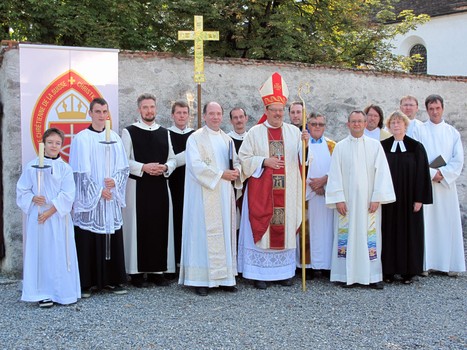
(274, 90)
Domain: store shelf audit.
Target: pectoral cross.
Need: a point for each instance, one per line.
(199, 36)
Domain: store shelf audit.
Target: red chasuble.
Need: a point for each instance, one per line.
(266, 197)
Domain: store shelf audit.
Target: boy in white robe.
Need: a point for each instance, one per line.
(50, 266)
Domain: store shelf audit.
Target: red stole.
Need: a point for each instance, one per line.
(266, 197)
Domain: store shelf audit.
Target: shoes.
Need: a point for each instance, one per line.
(139, 284)
(407, 280)
(202, 291)
(452, 274)
(309, 274)
(118, 290)
(86, 293)
(388, 278)
(326, 273)
(230, 289)
(425, 274)
(46, 303)
(260, 285)
(348, 286)
(170, 276)
(138, 281)
(158, 279)
(377, 285)
(286, 283)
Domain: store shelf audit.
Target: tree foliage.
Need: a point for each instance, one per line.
(346, 33)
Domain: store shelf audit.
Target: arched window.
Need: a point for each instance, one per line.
(419, 67)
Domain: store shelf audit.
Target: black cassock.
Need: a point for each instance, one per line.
(152, 199)
(402, 229)
(177, 189)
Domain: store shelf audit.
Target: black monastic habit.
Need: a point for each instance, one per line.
(152, 200)
(177, 189)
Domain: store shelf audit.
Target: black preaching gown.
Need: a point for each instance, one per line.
(177, 186)
(402, 229)
(152, 200)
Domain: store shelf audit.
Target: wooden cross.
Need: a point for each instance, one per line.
(199, 36)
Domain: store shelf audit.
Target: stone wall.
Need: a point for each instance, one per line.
(232, 82)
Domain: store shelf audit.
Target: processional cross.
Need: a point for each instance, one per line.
(199, 36)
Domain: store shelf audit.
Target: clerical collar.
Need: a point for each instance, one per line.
(92, 129)
(320, 140)
(237, 136)
(51, 157)
(401, 146)
(272, 127)
(176, 129)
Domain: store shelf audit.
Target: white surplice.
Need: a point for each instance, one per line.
(444, 244)
(91, 212)
(50, 265)
(208, 236)
(414, 123)
(260, 263)
(129, 212)
(359, 174)
(320, 217)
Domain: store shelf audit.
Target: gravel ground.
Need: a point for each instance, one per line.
(429, 314)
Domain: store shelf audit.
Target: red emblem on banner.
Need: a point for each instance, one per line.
(64, 105)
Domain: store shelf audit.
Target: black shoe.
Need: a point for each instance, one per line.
(140, 284)
(170, 276)
(138, 281)
(46, 303)
(326, 273)
(286, 283)
(260, 285)
(388, 278)
(158, 279)
(377, 285)
(309, 274)
(348, 286)
(117, 289)
(202, 291)
(230, 289)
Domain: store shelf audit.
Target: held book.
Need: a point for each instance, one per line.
(438, 162)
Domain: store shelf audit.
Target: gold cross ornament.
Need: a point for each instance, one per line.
(199, 36)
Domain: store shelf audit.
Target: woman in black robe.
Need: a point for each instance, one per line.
(402, 221)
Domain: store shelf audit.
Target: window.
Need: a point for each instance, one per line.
(419, 67)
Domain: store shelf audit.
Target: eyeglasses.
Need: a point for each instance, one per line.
(321, 125)
(275, 110)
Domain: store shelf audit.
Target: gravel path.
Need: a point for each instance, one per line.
(429, 314)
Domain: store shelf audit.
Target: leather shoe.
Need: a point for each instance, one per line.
(202, 291)
(286, 283)
(230, 289)
(377, 285)
(260, 285)
(158, 279)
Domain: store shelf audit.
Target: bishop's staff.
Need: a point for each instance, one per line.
(305, 88)
(108, 215)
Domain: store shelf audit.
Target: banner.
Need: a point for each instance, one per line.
(57, 84)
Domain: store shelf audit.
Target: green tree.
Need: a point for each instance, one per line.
(345, 33)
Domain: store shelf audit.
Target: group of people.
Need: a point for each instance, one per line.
(209, 205)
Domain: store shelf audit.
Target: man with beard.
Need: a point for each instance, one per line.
(147, 216)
